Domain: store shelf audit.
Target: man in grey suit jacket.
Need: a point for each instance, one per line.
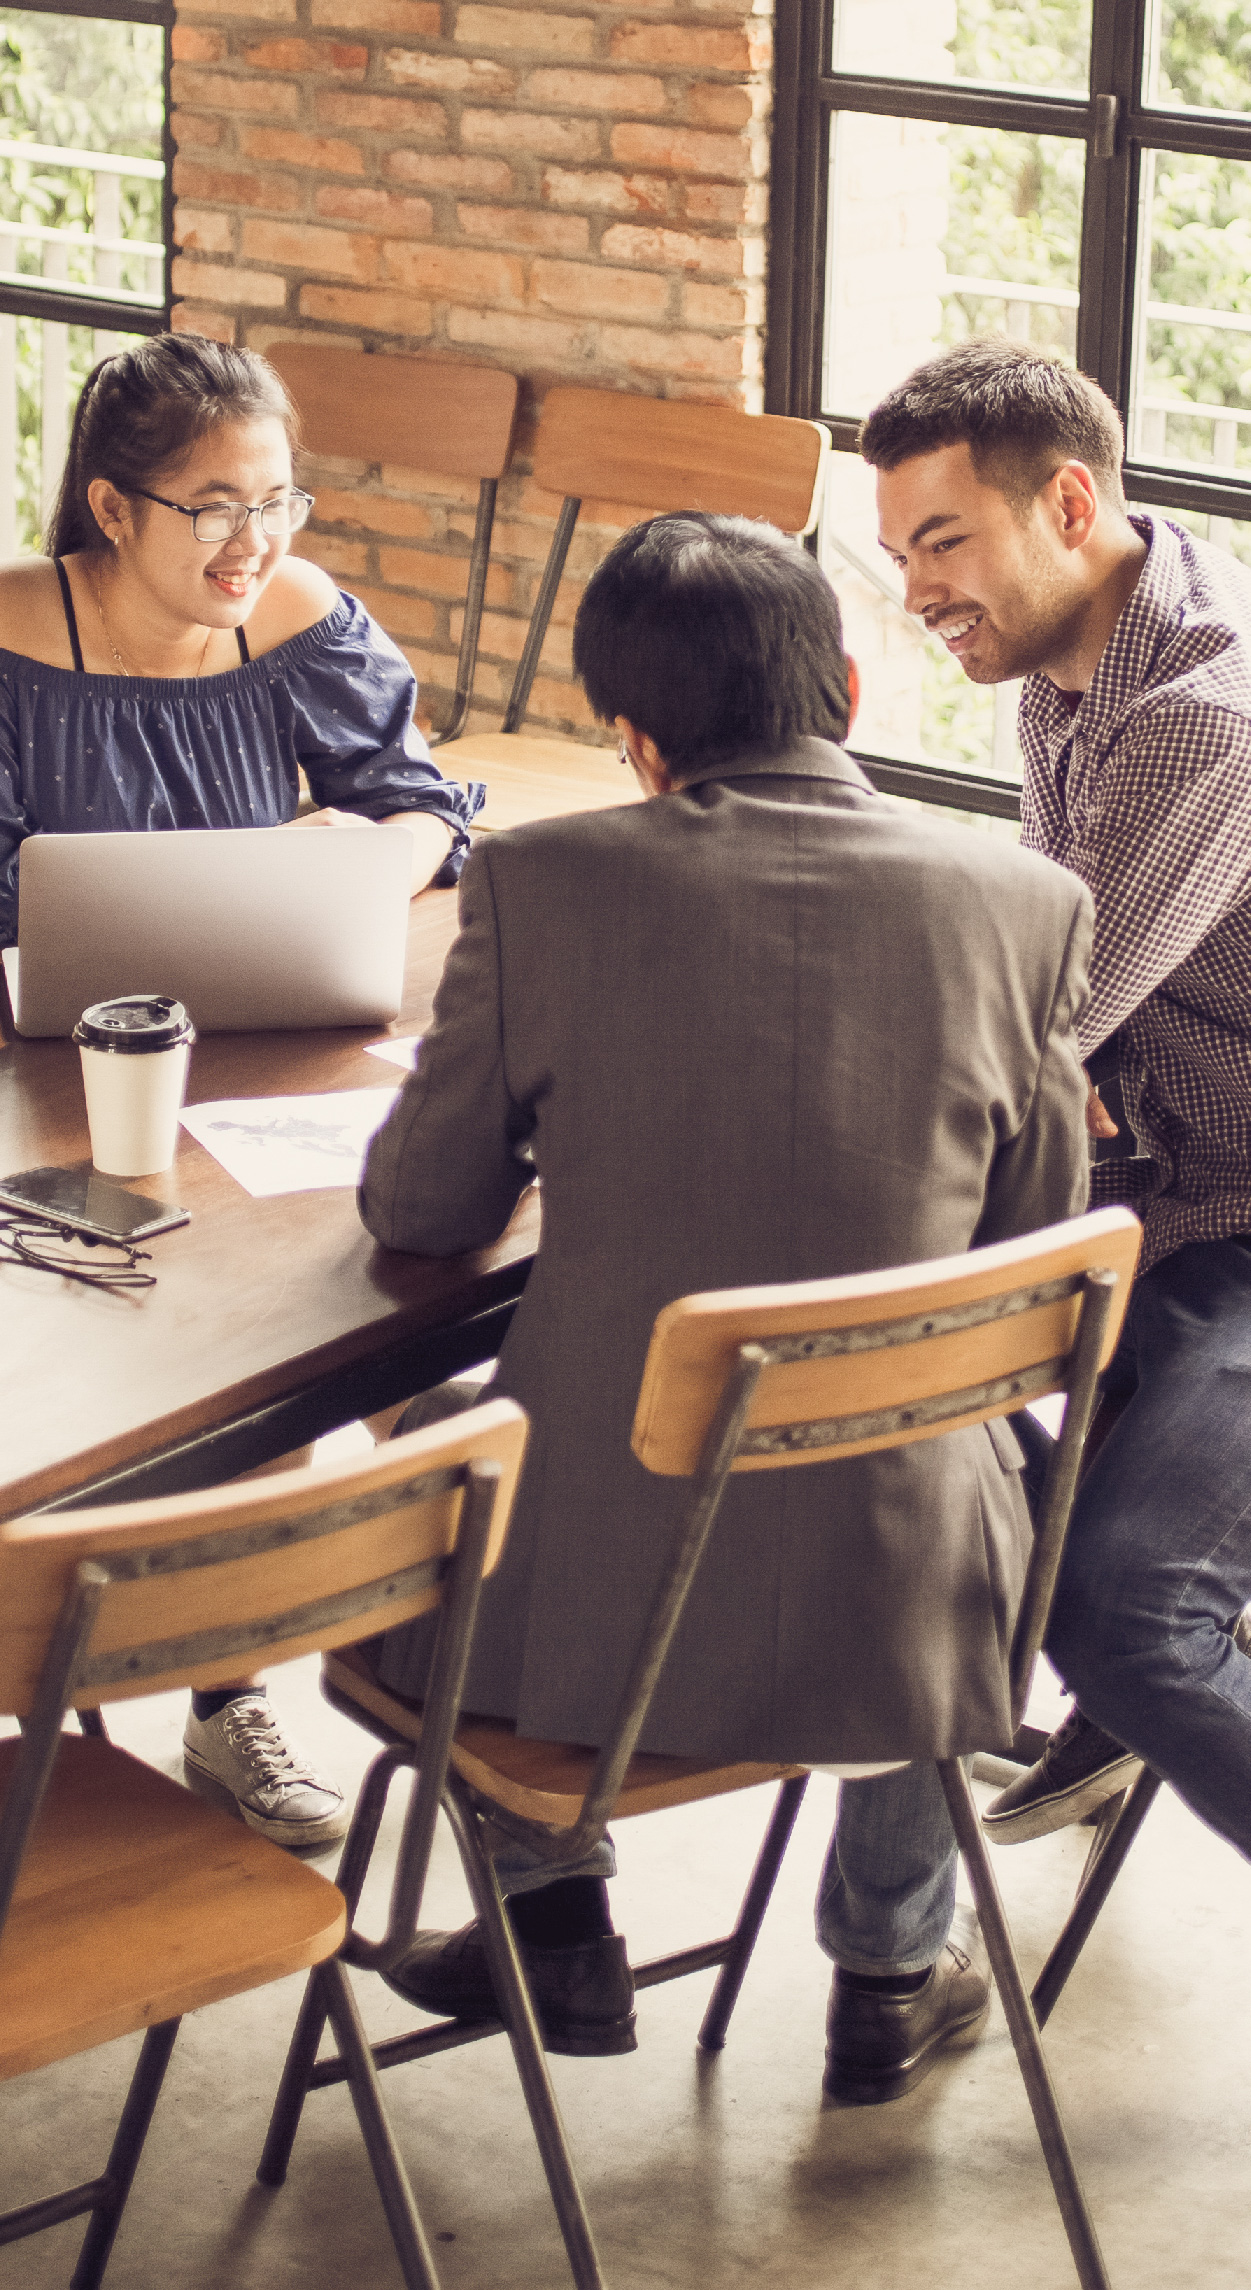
(766, 1026)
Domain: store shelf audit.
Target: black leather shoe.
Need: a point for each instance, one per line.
(883, 2042)
(1078, 1769)
(584, 1996)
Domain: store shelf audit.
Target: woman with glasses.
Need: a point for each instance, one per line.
(169, 664)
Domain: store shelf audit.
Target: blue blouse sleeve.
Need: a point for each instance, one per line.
(14, 824)
(351, 699)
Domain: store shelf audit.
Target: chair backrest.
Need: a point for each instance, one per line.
(416, 413)
(776, 1378)
(658, 454)
(188, 1587)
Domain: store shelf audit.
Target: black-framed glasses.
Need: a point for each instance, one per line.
(225, 520)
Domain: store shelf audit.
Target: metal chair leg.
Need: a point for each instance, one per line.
(1023, 2028)
(518, 2013)
(407, 2233)
(751, 1915)
(1102, 1870)
(132, 2130)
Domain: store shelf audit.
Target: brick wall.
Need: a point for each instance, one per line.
(575, 194)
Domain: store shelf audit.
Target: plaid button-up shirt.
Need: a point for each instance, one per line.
(1145, 792)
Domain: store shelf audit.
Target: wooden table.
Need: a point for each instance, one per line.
(272, 1321)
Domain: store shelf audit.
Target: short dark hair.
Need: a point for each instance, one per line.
(144, 408)
(1020, 413)
(713, 635)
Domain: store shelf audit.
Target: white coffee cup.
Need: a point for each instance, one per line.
(134, 1055)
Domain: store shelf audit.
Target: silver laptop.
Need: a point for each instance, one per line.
(250, 927)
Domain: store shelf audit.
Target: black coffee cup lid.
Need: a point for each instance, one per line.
(134, 1022)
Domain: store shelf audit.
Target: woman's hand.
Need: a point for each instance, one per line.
(432, 837)
(329, 818)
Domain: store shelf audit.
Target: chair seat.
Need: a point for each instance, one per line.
(137, 1902)
(540, 1780)
(536, 778)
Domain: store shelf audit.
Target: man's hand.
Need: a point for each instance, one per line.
(1099, 1122)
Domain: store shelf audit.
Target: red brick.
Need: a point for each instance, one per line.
(719, 106)
(672, 250)
(216, 91)
(202, 233)
(438, 485)
(388, 212)
(605, 193)
(587, 290)
(303, 246)
(530, 28)
(542, 339)
(377, 313)
(444, 575)
(374, 514)
(189, 131)
(595, 91)
(681, 46)
(391, 114)
(228, 285)
(436, 173)
(399, 615)
(187, 46)
(685, 150)
(412, 19)
(455, 75)
(269, 11)
(347, 560)
(696, 355)
(235, 187)
(521, 227)
(530, 131)
(720, 202)
(308, 56)
(503, 638)
(445, 270)
(330, 154)
(196, 318)
(721, 305)
(561, 703)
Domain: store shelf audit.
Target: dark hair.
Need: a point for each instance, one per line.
(1021, 415)
(144, 408)
(712, 635)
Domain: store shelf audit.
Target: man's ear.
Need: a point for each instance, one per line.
(1070, 501)
(853, 693)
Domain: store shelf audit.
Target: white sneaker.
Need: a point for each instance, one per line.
(243, 1753)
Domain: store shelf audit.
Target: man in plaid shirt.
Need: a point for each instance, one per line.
(1000, 500)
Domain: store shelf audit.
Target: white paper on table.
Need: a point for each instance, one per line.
(402, 1051)
(290, 1144)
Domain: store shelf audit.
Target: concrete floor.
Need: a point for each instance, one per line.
(704, 2174)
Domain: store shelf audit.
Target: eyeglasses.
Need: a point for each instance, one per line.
(225, 520)
(43, 1245)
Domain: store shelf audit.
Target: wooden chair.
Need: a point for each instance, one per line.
(422, 413)
(124, 1900)
(770, 1379)
(650, 454)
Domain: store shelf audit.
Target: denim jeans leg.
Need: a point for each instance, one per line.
(1158, 1565)
(888, 1888)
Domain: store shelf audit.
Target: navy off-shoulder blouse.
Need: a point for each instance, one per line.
(83, 755)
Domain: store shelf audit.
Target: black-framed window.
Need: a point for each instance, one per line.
(85, 221)
(1076, 173)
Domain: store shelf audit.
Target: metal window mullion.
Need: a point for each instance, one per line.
(1186, 489)
(1198, 134)
(798, 195)
(117, 11)
(955, 103)
(1110, 205)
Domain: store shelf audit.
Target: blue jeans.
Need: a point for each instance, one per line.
(1155, 1577)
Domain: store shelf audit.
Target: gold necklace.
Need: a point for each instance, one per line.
(127, 671)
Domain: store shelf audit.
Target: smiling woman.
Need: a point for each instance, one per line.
(173, 665)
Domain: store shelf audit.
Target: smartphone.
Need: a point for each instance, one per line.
(92, 1204)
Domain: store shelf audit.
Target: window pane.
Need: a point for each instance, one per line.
(1198, 55)
(1044, 44)
(1231, 533)
(916, 701)
(938, 232)
(1191, 397)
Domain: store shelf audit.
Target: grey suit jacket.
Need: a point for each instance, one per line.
(769, 1027)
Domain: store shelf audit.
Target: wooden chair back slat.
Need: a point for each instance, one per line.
(696, 1340)
(342, 1530)
(660, 454)
(420, 413)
